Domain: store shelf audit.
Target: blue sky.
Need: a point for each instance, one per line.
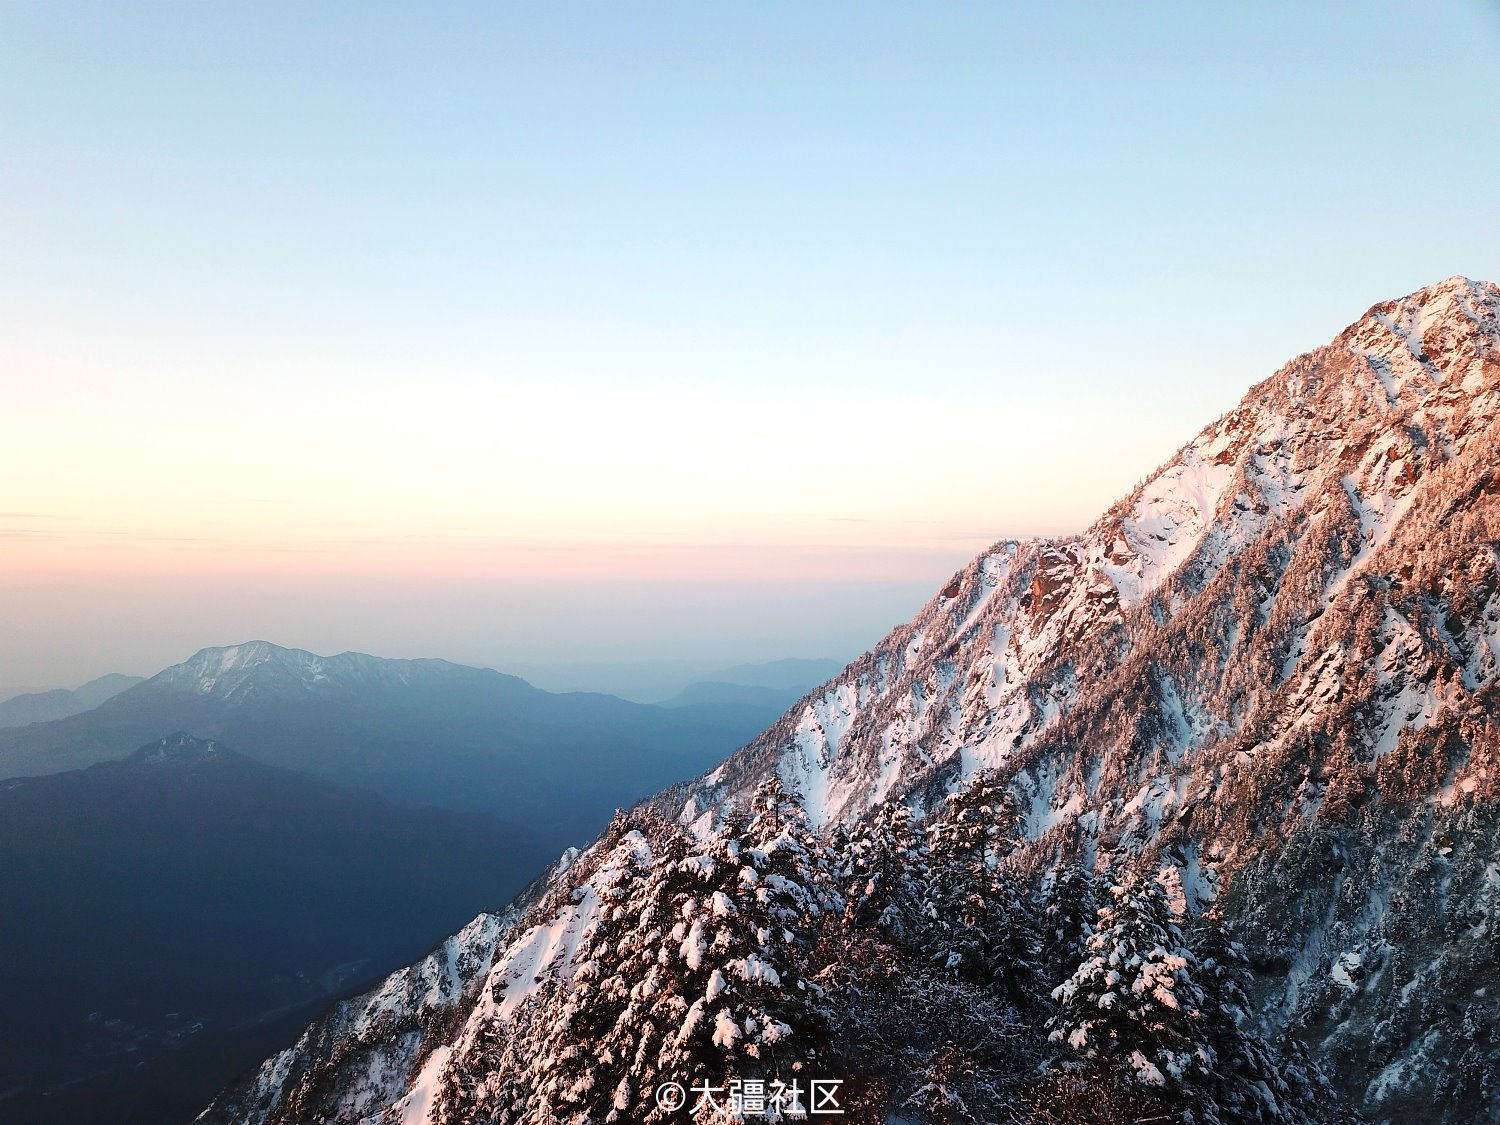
(755, 297)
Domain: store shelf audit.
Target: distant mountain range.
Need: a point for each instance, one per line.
(655, 681)
(418, 731)
(189, 869)
(44, 706)
(778, 675)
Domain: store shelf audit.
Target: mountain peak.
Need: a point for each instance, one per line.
(1453, 283)
(1349, 403)
(260, 668)
(231, 669)
(179, 749)
(1454, 286)
(1427, 327)
(1342, 437)
(249, 654)
(255, 652)
(1453, 297)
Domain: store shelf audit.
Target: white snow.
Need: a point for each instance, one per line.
(804, 768)
(1172, 515)
(415, 1106)
(726, 1031)
(1145, 1070)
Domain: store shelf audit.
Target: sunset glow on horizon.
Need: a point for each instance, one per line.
(509, 316)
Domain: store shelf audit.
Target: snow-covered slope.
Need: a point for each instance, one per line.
(1272, 668)
(384, 1035)
(1319, 463)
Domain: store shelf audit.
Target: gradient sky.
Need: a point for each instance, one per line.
(572, 332)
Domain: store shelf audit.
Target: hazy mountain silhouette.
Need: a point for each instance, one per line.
(417, 731)
(166, 912)
(59, 703)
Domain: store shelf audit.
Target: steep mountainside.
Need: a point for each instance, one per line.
(416, 731)
(1265, 681)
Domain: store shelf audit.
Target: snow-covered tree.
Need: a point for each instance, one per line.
(883, 873)
(978, 823)
(940, 1096)
(691, 972)
(1249, 1081)
(977, 923)
(1133, 1002)
(1067, 913)
(778, 828)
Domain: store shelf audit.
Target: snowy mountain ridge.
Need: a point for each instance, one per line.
(903, 708)
(1267, 678)
(232, 670)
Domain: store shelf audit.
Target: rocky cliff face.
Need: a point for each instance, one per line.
(1267, 678)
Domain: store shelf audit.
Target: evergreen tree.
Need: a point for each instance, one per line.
(883, 873)
(778, 828)
(1249, 1082)
(978, 925)
(978, 823)
(1133, 1002)
(691, 972)
(595, 1055)
(1067, 913)
(940, 1098)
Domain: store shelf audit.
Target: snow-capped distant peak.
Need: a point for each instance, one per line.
(256, 667)
(231, 668)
